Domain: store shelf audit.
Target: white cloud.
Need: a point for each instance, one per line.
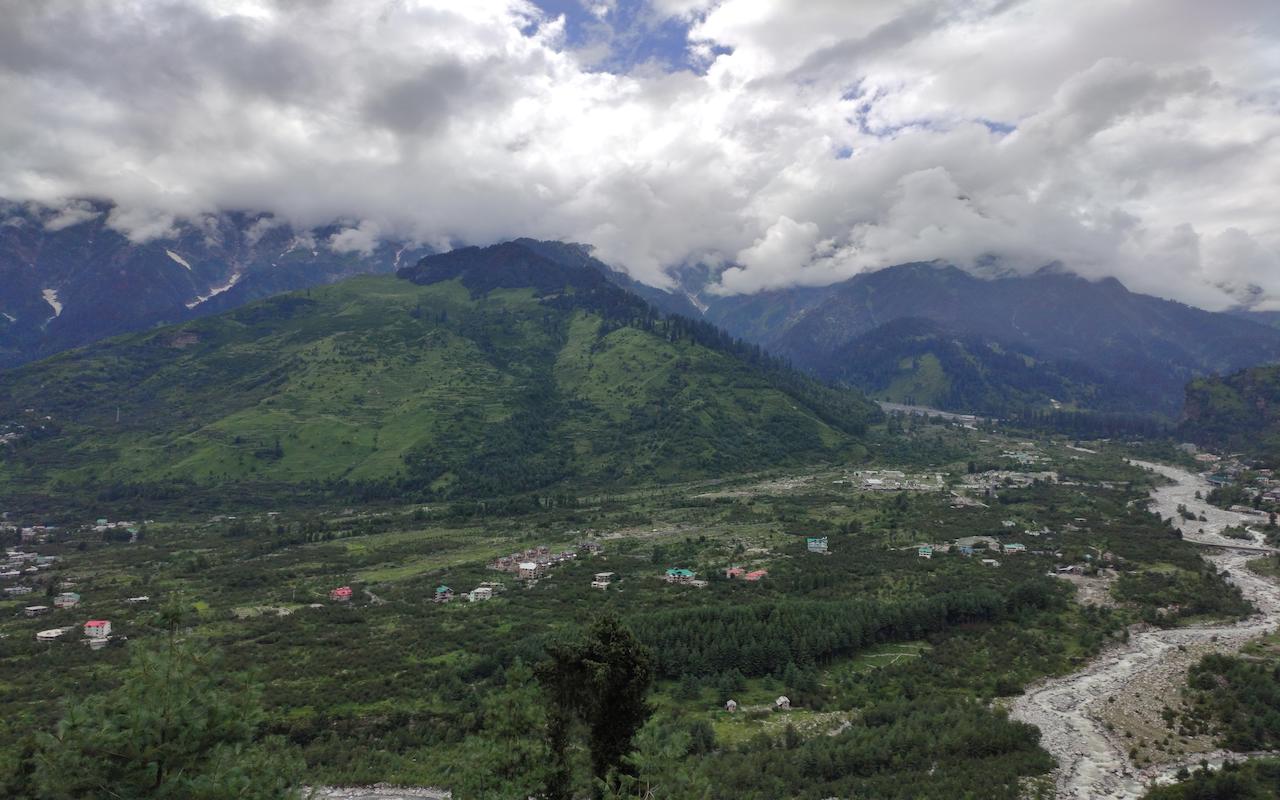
(361, 239)
(73, 212)
(1137, 139)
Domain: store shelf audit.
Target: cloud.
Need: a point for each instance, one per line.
(813, 141)
(73, 213)
(361, 239)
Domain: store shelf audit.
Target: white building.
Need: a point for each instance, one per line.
(97, 629)
(602, 580)
(480, 593)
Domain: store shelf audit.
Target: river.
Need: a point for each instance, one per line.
(1093, 763)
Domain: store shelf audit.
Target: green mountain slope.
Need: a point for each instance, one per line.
(477, 373)
(918, 361)
(1240, 412)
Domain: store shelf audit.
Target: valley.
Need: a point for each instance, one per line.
(374, 689)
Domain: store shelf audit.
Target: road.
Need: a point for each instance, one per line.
(1094, 763)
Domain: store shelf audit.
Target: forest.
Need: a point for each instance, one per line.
(891, 663)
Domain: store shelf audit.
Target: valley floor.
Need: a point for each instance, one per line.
(904, 600)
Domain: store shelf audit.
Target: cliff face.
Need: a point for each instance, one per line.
(1240, 411)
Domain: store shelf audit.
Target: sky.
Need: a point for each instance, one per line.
(780, 143)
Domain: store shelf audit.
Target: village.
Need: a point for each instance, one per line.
(26, 572)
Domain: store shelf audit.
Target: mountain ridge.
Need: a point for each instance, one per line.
(380, 387)
(1142, 349)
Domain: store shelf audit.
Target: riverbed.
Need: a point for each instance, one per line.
(1093, 762)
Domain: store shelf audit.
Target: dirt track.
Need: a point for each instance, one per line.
(1094, 763)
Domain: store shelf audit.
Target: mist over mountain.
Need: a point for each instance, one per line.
(782, 145)
(68, 278)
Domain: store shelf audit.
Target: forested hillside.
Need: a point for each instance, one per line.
(1238, 412)
(476, 373)
(919, 362)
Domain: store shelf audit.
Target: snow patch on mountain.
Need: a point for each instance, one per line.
(215, 291)
(178, 259)
(51, 297)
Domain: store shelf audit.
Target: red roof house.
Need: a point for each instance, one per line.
(734, 572)
(341, 594)
(756, 575)
(97, 628)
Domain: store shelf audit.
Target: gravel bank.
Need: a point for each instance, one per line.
(1069, 711)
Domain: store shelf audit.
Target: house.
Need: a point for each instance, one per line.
(97, 629)
(734, 572)
(731, 706)
(35, 611)
(924, 551)
(51, 634)
(529, 569)
(816, 544)
(9, 574)
(342, 594)
(1014, 547)
(990, 562)
(679, 576)
(782, 703)
(14, 591)
(602, 580)
(756, 575)
(479, 594)
(1247, 510)
(966, 549)
(66, 600)
(139, 599)
(443, 594)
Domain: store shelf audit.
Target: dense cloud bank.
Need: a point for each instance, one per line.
(811, 141)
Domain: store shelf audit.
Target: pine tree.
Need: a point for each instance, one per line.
(602, 680)
(176, 727)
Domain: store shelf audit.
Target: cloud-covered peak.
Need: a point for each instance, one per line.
(792, 142)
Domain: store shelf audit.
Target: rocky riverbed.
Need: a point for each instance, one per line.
(1070, 711)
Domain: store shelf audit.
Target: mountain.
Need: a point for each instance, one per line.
(1095, 344)
(919, 362)
(579, 255)
(1271, 318)
(479, 372)
(1239, 412)
(67, 278)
